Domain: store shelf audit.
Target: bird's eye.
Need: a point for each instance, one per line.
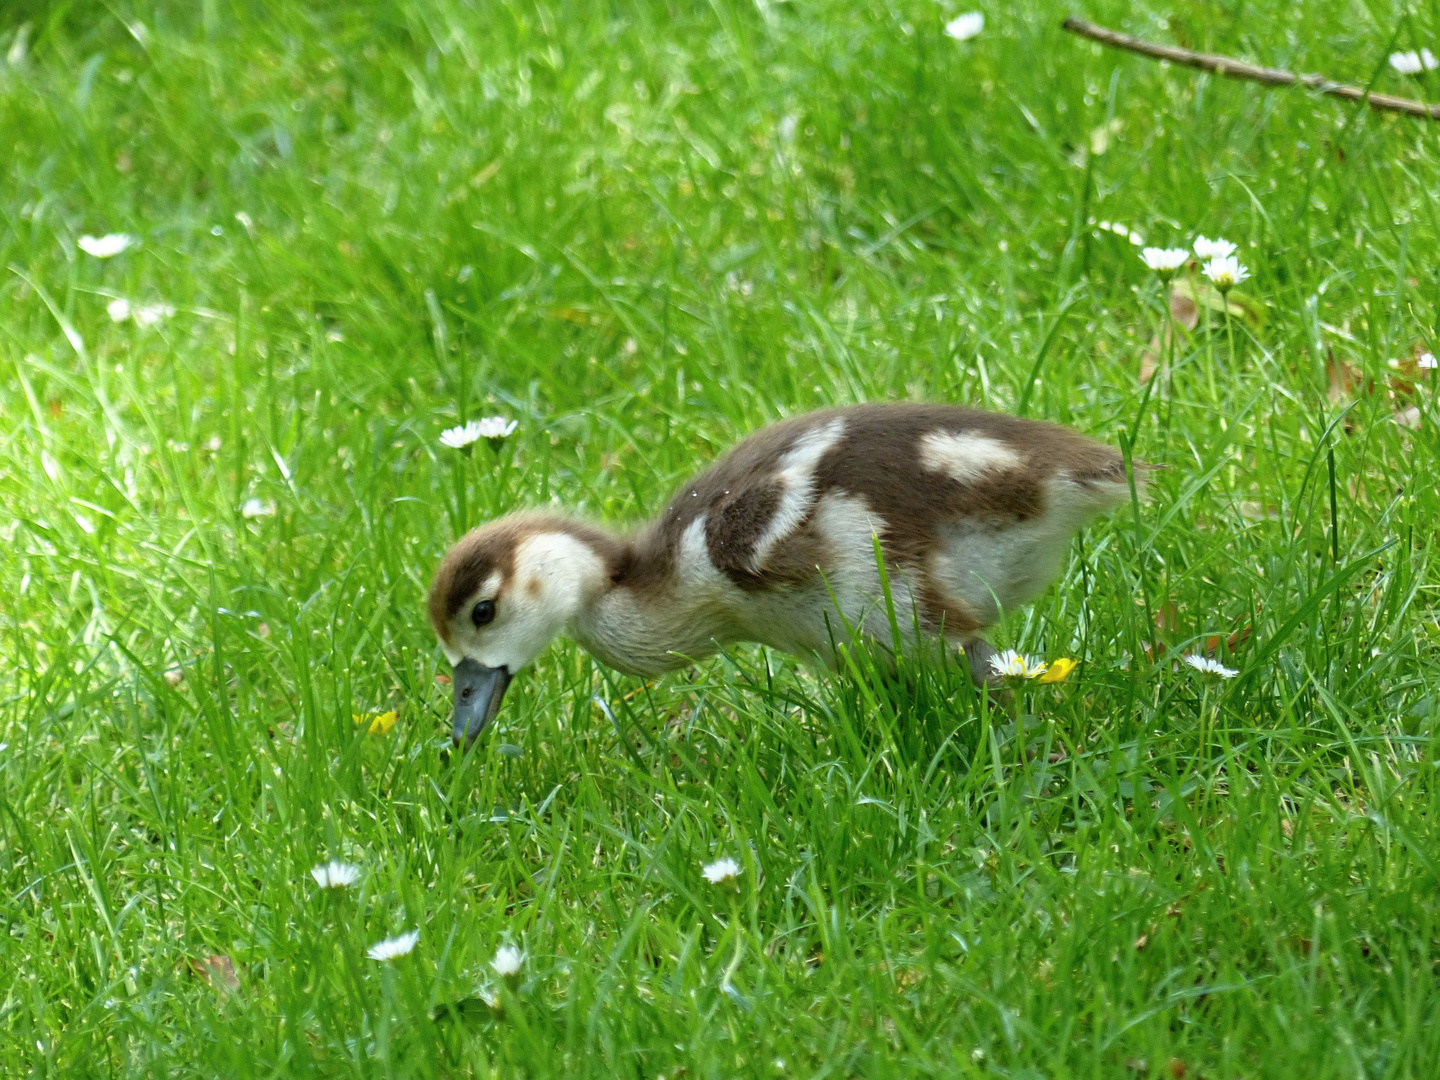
(483, 613)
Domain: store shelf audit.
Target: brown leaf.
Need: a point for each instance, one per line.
(1177, 1069)
(443, 680)
(1408, 417)
(1167, 618)
(1192, 294)
(1410, 370)
(218, 971)
(1344, 377)
(1149, 360)
(1142, 941)
(1183, 308)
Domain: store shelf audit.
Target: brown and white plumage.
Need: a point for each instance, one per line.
(775, 543)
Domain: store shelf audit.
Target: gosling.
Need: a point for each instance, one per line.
(775, 544)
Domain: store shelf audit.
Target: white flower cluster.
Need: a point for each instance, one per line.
(1413, 63)
(508, 961)
(121, 309)
(964, 27)
(1219, 263)
(1206, 666)
(721, 871)
(390, 948)
(108, 246)
(492, 428)
(257, 508)
(335, 875)
(340, 875)
(1014, 665)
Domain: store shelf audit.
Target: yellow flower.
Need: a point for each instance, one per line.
(1059, 670)
(380, 723)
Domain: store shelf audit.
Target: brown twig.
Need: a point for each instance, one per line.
(1239, 69)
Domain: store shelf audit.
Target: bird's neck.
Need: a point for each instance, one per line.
(653, 614)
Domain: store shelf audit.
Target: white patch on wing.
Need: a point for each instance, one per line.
(806, 621)
(965, 456)
(796, 477)
(692, 560)
(988, 568)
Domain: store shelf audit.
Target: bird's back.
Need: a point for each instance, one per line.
(973, 511)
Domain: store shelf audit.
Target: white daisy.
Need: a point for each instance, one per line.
(507, 961)
(390, 948)
(118, 309)
(105, 247)
(497, 427)
(255, 508)
(1412, 63)
(1164, 260)
(1427, 360)
(150, 314)
(1212, 249)
(335, 875)
(457, 438)
(721, 871)
(964, 27)
(1013, 665)
(491, 428)
(1225, 271)
(1210, 667)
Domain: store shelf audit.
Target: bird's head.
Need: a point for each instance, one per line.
(501, 594)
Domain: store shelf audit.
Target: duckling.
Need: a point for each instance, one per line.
(775, 543)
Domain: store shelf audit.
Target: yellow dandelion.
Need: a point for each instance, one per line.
(380, 723)
(1059, 670)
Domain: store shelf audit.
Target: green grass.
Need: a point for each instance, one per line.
(643, 230)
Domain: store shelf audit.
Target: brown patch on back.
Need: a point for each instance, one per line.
(877, 458)
(481, 552)
(734, 490)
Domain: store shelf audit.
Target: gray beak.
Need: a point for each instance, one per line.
(478, 690)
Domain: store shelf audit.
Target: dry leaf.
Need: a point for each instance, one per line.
(1183, 308)
(1408, 417)
(1344, 377)
(218, 971)
(1412, 369)
(1167, 618)
(1201, 294)
(1149, 360)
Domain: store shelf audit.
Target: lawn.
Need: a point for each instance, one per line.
(641, 230)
